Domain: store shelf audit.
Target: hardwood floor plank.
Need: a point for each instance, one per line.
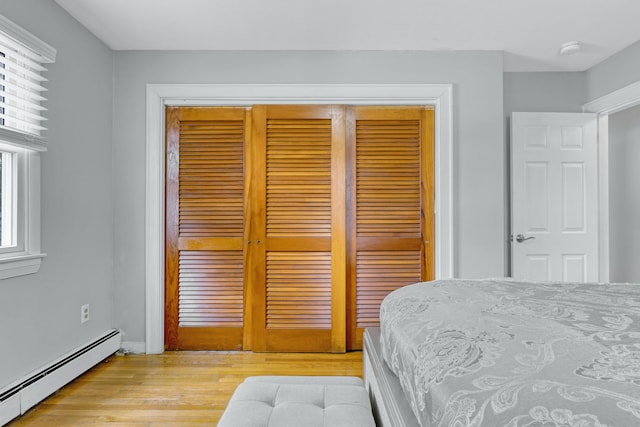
(175, 389)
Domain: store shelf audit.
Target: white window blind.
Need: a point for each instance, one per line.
(22, 85)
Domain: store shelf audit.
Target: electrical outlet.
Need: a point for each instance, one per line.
(84, 313)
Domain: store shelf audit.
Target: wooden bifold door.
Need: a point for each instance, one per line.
(286, 225)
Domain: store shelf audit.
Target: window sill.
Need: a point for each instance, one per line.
(20, 265)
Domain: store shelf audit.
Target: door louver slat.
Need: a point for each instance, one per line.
(388, 178)
(298, 206)
(379, 273)
(211, 288)
(298, 290)
(298, 178)
(211, 178)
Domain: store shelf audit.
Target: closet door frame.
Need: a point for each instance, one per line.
(159, 96)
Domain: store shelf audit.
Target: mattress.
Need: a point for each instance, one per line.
(508, 353)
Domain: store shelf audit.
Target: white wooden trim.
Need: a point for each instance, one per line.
(27, 257)
(161, 95)
(20, 265)
(621, 99)
(46, 52)
(22, 140)
(603, 201)
(154, 223)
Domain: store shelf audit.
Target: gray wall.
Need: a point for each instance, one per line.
(478, 141)
(40, 313)
(543, 92)
(616, 72)
(624, 195)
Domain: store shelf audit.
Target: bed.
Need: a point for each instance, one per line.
(502, 352)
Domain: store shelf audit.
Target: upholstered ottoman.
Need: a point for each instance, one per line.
(303, 401)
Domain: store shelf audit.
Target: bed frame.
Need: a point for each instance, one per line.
(390, 407)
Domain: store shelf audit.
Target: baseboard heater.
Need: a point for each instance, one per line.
(27, 392)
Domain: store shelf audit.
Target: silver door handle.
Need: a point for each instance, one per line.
(520, 238)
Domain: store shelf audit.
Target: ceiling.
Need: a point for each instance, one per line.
(529, 32)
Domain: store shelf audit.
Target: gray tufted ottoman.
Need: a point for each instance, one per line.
(304, 401)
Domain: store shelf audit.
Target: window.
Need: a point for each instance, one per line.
(22, 118)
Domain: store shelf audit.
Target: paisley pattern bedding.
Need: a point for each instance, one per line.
(507, 353)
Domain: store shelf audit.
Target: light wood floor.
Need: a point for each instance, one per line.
(173, 389)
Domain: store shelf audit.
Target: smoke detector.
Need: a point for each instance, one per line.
(570, 48)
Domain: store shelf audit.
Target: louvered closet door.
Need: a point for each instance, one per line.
(204, 228)
(297, 251)
(390, 212)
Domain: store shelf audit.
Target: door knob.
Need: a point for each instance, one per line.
(520, 238)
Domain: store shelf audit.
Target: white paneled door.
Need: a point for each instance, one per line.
(554, 196)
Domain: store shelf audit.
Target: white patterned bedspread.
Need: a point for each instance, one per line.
(507, 353)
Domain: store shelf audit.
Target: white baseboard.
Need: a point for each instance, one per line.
(134, 347)
(19, 397)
